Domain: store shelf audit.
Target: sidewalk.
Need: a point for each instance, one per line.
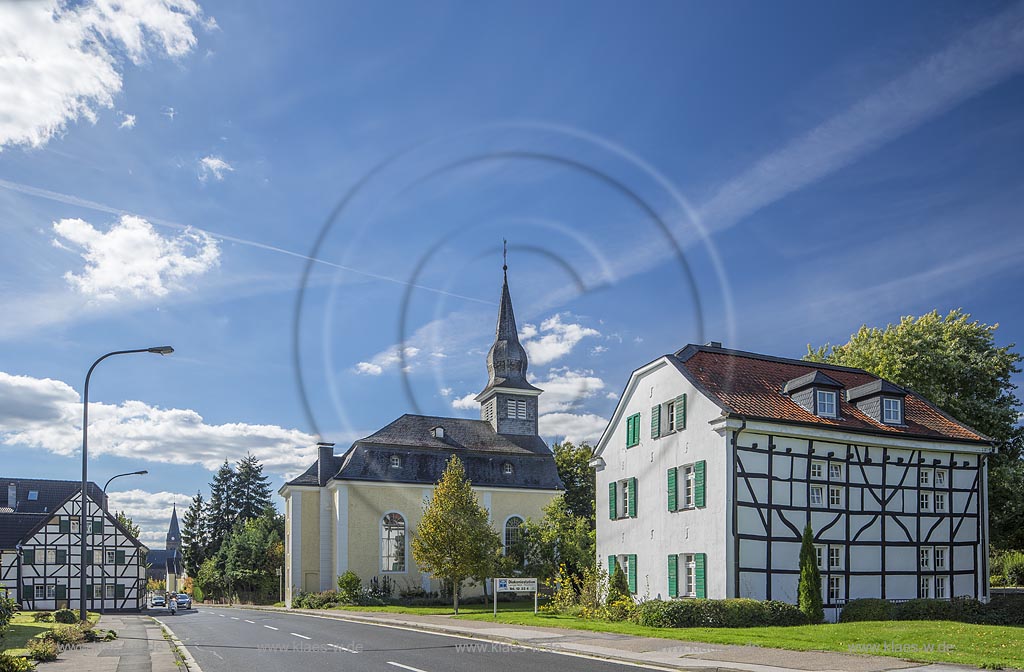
(664, 653)
(140, 647)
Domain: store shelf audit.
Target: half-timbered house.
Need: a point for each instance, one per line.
(715, 460)
(40, 549)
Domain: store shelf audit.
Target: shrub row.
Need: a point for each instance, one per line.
(732, 613)
(1002, 610)
(9, 663)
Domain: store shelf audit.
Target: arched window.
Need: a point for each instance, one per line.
(392, 543)
(513, 532)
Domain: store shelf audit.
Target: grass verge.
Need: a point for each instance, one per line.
(23, 628)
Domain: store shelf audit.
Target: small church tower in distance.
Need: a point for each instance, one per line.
(509, 401)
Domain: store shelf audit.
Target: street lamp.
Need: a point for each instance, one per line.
(127, 473)
(103, 548)
(159, 350)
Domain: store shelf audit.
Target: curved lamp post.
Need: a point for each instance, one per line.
(103, 549)
(159, 350)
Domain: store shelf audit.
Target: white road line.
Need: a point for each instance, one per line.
(270, 626)
(298, 635)
(342, 648)
(405, 667)
(248, 621)
(221, 615)
(235, 618)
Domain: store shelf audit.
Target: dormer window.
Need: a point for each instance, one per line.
(396, 461)
(892, 411)
(33, 495)
(826, 403)
(437, 432)
(507, 469)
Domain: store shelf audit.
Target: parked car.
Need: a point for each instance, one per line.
(159, 601)
(184, 601)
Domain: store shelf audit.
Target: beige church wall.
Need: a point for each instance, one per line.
(310, 540)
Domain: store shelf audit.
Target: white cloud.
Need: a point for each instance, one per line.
(151, 511)
(63, 61)
(572, 427)
(598, 349)
(127, 121)
(45, 414)
(467, 402)
(565, 389)
(446, 391)
(131, 258)
(553, 340)
(213, 166)
(385, 360)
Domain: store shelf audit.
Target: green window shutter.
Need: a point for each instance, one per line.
(119, 590)
(673, 575)
(61, 593)
(119, 558)
(699, 470)
(612, 501)
(26, 592)
(88, 591)
(28, 556)
(672, 490)
(97, 526)
(611, 566)
(62, 557)
(700, 561)
(64, 525)
(632, 497)
(632, 573)
(681, 412)
(633, 430)
(655, 421)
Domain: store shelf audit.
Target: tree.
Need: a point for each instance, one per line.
(809, 589)
(577, 476)
(250, 489)
(253, 552)
(210, 579)
(560, 537)
(221, 510)
(955, 363)
(455, 540)
(195, 536)
(128, 524)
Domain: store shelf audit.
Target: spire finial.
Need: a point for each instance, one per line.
(504, 255)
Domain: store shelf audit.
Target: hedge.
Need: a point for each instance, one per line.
(732, 613)
(1002, 610)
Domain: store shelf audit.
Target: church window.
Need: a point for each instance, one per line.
(392, 543)
(513, 532)
(396, 461)
(507, 469)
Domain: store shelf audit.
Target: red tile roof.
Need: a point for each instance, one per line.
(751, 384)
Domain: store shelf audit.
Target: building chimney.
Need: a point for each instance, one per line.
(713, 344)
(324, 462)
(12, 496)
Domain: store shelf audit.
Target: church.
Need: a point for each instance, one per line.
(360, 510)
(165, 564)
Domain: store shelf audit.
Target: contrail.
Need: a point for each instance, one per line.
(69, 199)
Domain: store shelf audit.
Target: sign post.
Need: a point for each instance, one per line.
(517, 586)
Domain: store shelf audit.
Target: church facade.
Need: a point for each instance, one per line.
(361, 509)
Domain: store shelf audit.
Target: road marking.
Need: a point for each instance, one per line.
(405, 667)
(248, 621)
(270, 626)
(221, 615)
(298, 635)
(234, 618)
(343, 648)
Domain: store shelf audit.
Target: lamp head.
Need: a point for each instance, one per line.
(161, 350)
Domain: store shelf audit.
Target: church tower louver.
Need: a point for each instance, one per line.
(509, 401)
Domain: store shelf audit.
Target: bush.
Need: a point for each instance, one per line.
(65, 635)
(9, 663)
(349, 586)
(42, 650)
(733, 613)
(6, 613)
(866, 609)
(381, 588)
(618, 585)
(923, 610)
(42, 617)
(1013, 569)
(621, 609)
(197, 593)
(412, 593)
(65, 616)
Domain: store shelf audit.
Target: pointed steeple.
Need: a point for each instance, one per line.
(506, 360)
(173, 539)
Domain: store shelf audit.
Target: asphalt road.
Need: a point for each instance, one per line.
(230, 640)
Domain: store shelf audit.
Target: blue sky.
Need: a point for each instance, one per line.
(164, 178)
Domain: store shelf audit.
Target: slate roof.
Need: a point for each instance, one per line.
(483, 452)
(752, 385)
(874, 387)
(50, 493)
(15, 526)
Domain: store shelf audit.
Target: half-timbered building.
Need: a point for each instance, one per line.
(715, 460)
(40, 549)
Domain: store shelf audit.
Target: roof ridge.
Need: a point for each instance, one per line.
(771, 358)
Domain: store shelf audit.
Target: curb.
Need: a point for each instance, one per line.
(180, 651)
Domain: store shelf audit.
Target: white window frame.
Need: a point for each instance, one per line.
(924, 558)
(940, 587)
(51, 556)
(939, 558)
(925, 501)
(76, 524)
(623, 487)
(925, 589)
(518, 532)
(507, 469)
(924, 478)
(97, 591)
(111, 592)
(835, 471)
(892, 410)
(689, 575)
(835, 557)
(819, 555)
(826, 399)
(51, 591)
(382, 555)
(396, 461)
(111, 557)
(818, 470)
(835, 496)
(670, 411)
(835, 589)
(97, 556)
(940, 478)
(39, 592)
(820, 491)
(940, 502)
(689, 486)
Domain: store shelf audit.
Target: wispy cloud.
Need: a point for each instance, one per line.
(127, 121)
(215, 167)
(151, 511)
(386, 360)
(574, 427)
(554, 339)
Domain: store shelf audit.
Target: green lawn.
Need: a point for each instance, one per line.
(467, 609)
(23, 628)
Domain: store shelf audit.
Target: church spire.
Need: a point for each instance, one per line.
(173, 539)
